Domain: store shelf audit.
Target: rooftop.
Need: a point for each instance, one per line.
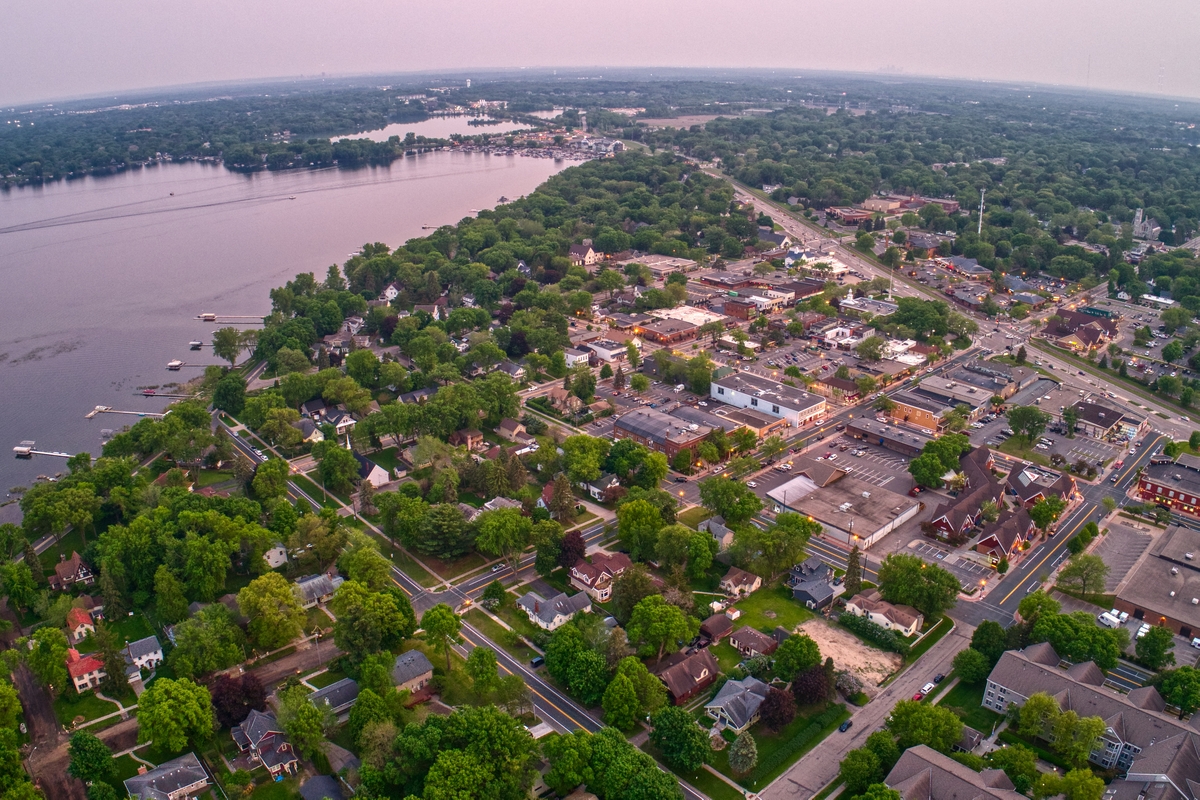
(838, 502)
(657, 427)
(1167, 580)
(788, 396)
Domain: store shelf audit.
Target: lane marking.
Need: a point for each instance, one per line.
(1062, 542)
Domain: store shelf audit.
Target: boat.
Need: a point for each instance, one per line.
(24, 449)
(292, 197)
(149, 392)
(174, 364)
(207, 317)
(195, 344)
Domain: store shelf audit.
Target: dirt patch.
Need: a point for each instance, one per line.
(682, 123)
(849, 653)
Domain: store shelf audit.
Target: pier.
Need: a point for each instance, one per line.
(110, 410)
(27, 449)
(208, 316)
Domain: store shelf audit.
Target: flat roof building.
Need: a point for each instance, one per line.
(660, 432)
(745, 390)
(904, 441)
(667, 331)
(690, 314)
(1175, 485)
(1162, 586)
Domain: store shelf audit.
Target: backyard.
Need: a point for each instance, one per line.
(770, 607)
(967, 702)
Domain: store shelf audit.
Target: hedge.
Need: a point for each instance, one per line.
(789, 749)
(875, 634)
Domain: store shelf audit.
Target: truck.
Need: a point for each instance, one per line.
(1108, 620)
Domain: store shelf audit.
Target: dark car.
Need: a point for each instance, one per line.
(913, 492)
(939, 678)
(845, 726)
(536, 661)
(680, 479)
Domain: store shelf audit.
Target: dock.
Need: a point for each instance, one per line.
(110, 410)
(208, 316)
(27, 449)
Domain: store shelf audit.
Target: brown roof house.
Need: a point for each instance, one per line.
(597, 577)
(716, 627)
(685, 676)
(923, 773)
(468, 438)
(739, 582)
(263, 739)
(1007, 536)
(510, 429)
(750, 643)
(904, 620)
(71, 571)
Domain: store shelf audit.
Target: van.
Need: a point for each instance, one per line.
(536, 661)
(678, 388)
(1108, 620)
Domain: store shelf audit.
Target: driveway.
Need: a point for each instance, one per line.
(820, 766)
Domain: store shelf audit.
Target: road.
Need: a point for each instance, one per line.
(820, 765)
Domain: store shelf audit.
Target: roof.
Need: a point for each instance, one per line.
(70, 567)
(314, 587)
(171, 776)
(754, 639)
(786, 396)
(313, 406)
(143, 647)
(82, 665)
(305, 425)
(740, 577)
(1166, 581)
(698, 416)
(694, 670)
(873, 601)
(256, 727)
(321, 787)
(716, 626)
(365, 465)
(547, 610)
(336, 695)
(660, 428)
(409, 665)
(77, 617)
(1029, 482)
(922, 773)
(603, 565)
(740, 700)
(1009, 528)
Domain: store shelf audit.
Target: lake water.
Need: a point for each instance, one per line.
(435, 128)
(102, 278)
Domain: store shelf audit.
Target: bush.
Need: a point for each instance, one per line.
(875, 634)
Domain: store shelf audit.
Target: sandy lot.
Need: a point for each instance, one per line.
(848, 653)
(683, 123)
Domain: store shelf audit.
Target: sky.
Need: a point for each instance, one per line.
(56, 49)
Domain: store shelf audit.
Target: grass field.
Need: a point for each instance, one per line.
(939, 629)
(208, 477)
(69, 706)
(500, 635)
(386, 459)
(327, 678)
(1015, 446)
(702, 779)
(726, 656)
(455, 567)
(769, 607)
(693, 516)
(314, 491)
(769, 744)
(967, 702)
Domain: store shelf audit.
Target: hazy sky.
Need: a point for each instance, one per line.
(65, 48)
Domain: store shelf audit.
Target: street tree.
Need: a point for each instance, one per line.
(733, 500)
(971, 666)
(91, 760)
(1046, 512)
(990, 639)
(47, 658)
(206, 642)
(233, 698)
(906, 579)
(853, 578)
(275, 613)
(504, 532)
(621, 707)
(1154, 647)
(655, 625)
(271, 479)
(683, 743)
(175, 712)
(1028, 422)
(442, 628)
(370, 622)
(650, 691)
(859, 769)
(1085, 574)
(481, 668)
(915, 723)
(638, 525)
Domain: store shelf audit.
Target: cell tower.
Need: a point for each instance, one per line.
(979, 230)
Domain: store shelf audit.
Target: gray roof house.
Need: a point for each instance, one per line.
(412, 671)
(736, 704)
(175, 779)
(715, 526)
(553, 613)
(144, 653)
(812, 583)
(925, 774)
(314, 589)
(337, 697)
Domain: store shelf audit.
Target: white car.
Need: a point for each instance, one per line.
(702, 404)
(752, 484)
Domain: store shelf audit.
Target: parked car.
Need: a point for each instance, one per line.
(536, 661)
(927, 688)
(680, 479)
(752, 484)
(919, 696)
(913, 492)
(845, 726)
(939, 677)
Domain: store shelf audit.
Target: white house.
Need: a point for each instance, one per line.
(390, 292)
(574, 357)
(276, 557)
(608, 350)
(144, 653)
(555, 612)
(371, 472)
(904, 620)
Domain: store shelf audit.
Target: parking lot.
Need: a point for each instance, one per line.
(969, 573)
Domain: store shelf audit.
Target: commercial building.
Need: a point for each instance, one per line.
(660, 432)
(1030, 485)
(853, 512)
(689, 314)
(1175, 485)
(610, 351)
(744, 390)
(956, 393)
(1163, 587)
(904, 441)
(960, 514)
(762, 424)
(667, 331)
(1105, 421)
(918, 410)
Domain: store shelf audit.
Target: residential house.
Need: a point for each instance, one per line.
(276, 556)
(468, 438)
(145, 653)
(736, 703)
(576, 357)
(342, 421)
(177, 779)
(86, 672)
(552, 614)
(739, 582)
(599, 489)
(261, 736)
(750, 642)
(564, 400)
(92, 605)
(309, 432)
(337, 697)
(314, 409)
(1007, 537)
(79, 625)
(315, 589)
(923, 773)
(715, 526)
(390, 292)
(417, 395)
(509, 429)
(582, 255)
(685, 676)
(353, 324)
(812, 583)
(904, 620)
(514, 371)
(435, 310)
(412, 671)
(716, 627)
(596, 577)
(70, 572)
(371, 472)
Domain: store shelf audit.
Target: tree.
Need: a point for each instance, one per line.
(1084, 573)
(797, 653)
(207, 642)
(228, 343)
(1035, 605)
(481, 667)
(583, 456)
(1038, 715)
(633, 354)
(111, 651)
(504, 532)
(1154, 647)
(775, 548)
(1028, 421)
(234, 698)
(743, 754)
(990, 640)
(1046, 511)
(879, 791)
(19, 584)
(494, 595)
(1019, 764)
(1079, 784)
(683, 743)
(630, 588)
(271, 479)
(1074, 737)
(621, 707)
(172, 713)
(638, 524)
(562, 501)
(47, 658)
(369, 709)
(230, 394)
(170, 602)
(337, 466)
(853, 577)
(859, 769)
(275, 613)
(369, 622)
(971, 666)
(91, 760)
(655, 624)
(811, 686)
(916, 723)
(639, 383)
(778, 709)
(442, 627)
(1181, 688)
(927, 470)
(302, 721)
(884, 746)
(1021, 355)
(733, 500)
(572, 549)
(650, 691)
(870, 349)
(906, 579)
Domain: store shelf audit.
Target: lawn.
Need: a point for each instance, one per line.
(277, 790)
(1013, 446)
(69, 706)
(71, 542)
(693, 516)
(726, 656)
(932, 637)
(582, 519)
(208, 477)
(967, 702)
(126, 768)
(515, 617)
(132, 628)
(500, 635)
(702, 779)
(710, 581)
(455, 567)
(776, 752)
(386, 459)
(314, 491)
(326, 678)
(317, 619)
(769, 607)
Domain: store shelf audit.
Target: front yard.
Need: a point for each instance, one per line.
(71, 706)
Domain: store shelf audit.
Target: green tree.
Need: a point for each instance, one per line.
(207, 642)
(927, 470)
(369, 622)
(442, 627)
(1154, 647)
(1037, 604)
(1038, 715)
(971, 666)
(650, 691)
(230, 394)
(302, 721)
(1181, 688)
(271, 479)
(733, 500)
(797, 653)
(638, 524)
(91, 760)
(655, 624)
(337, 466)
(906, 579)
(991, 640)
(1084, 573)
(481, 667)
(859, 769)
(1046, 511)
(1028, 421)
(275, 612)
(583, 456)
(228, 343)
(683, 743)
(633, 354)
(174, 713)
(743, 754)
(504, 532)
(630, 588)
(369, 708)
(1073, 737)
(870, 349)
(916, 723)
(170, 602)
(47, 658)
(19, 584)
(621, 707)
(775, 548)
(879, 791)
(1081, 784)
(884, 746)
(1019, 764)
(853, 578)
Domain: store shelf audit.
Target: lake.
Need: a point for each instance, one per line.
(435, 128)
(103, 277)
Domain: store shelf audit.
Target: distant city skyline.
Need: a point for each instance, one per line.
(56, 49)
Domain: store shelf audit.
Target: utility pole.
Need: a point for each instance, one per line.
(979, 230)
